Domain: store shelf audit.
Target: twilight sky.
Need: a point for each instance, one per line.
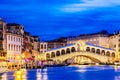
(55, 18)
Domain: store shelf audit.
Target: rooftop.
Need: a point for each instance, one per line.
(60, 47)
(13, 24)
(99, 46)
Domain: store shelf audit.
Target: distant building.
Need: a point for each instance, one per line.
(36, 45)
(31, 45)
(27, 46)
(57, 43)
(100, 38)
(3, 46)
(114, 41)
(43, 47)
(14, 37)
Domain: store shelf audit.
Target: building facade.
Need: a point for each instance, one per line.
(43, 47)
(114, 42)
(100, 38)
(3, 47)
(35, 46)
(57, 43)
(14, 35)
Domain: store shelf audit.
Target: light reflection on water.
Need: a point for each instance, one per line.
(65, 73)
(40, 75)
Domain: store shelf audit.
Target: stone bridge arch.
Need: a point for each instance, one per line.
(91, 58)
(95, 57)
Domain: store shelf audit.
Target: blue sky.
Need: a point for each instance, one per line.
(55, 18)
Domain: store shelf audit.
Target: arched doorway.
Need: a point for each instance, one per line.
(113, 54)
(73, 49)
(103, 52)
(108, 53)
(62, 52)
(93, 50)
(58, 53)
(48, 55)
(88, 49)
(67, 51)
(52, 54)
(98, 51)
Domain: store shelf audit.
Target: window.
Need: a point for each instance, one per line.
(1, 26)
(9, 47)
(19, 40)
(114, 45)
(119, 45)
(14, 38)
(14, 47)
(8, 37)
(41, 46)
(11, 38)
(45, 46)
(19, 48)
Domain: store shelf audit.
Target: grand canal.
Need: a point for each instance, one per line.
(65, 73)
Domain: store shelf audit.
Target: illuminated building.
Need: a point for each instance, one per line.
(43, 47)
(3, 46)
(100, 38)
(14, 37)
(57, 43)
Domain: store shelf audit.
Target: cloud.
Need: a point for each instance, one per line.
(54, 18)
(89, 4)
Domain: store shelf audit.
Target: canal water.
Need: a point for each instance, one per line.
(65, 73)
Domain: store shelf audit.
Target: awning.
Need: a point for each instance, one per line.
(29, 59)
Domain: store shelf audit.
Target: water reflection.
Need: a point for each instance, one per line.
(65, 73)
(117, 68)
(41, 74)
(4, 76)
(20, 74)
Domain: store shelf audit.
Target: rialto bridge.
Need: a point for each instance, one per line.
(80, 52)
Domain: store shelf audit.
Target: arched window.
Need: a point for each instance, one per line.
(62, 52)
(93, 50)
(113, 54)
(52, 54)
(67, 50)
(73, 49)
(98, 51)
(58, 53)
(48, 55)
(107, 53)
(102, 52)
(11, 47)
(88, 49)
